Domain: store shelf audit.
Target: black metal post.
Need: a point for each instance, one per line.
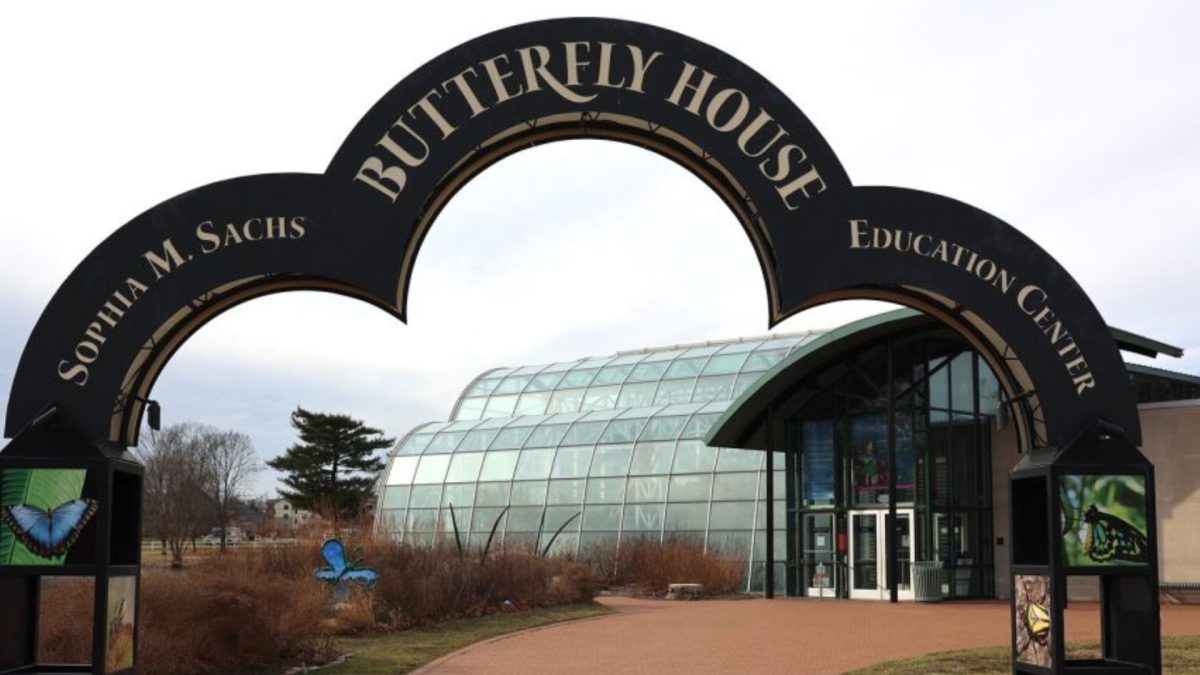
(769, 577)
(892, 529)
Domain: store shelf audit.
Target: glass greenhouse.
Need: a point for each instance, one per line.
(606, 449)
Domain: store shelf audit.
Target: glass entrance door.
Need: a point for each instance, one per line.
(868, 550)
(817, 553)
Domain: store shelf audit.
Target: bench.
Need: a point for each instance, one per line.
(684, 591)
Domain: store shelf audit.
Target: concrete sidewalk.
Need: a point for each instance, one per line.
(791, 635)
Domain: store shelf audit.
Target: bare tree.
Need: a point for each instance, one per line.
(176, 475)
(231, 462)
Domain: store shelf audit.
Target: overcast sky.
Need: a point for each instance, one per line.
(1079, 123)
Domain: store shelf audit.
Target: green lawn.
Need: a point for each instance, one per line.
(411, 649)
(1180, 655)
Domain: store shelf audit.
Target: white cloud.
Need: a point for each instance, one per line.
(1078, 123)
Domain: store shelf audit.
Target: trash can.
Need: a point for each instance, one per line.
(927, 581)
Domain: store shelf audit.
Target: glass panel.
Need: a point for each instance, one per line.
(686, 368)
(422, 520)
(989, 390)
(584, 433)
(819, 550)
(403, 470)
(740, 347)
(712, 389)
(464, 468)
(652, 458)
(866, 554)
(665, 355)
(611, 460)
(394, 520)
(513, 384)
(694, 457)
(445, 442)
(546, 436)
(732, 516)
(395, 497)
(869, 459)
(572, 462)
(565, 492)
(483, 387)
(532, 404)
(647, 489)
(686, 516)
(735, 486)
(597, 517)
(500, 406)
(498, 465)
(565, 400)
(735, 459)
(724, 364)
(578, 378)
(663, 428)
(703, 350)
(605, 490)
(425, 495)
(623, 431)
(544, 382)
(699, 425)
(730, 545)
(432, 469)
(484, 519)
(648, 372)
(529, 492)
(477, 441)
(511, 437)
(612, 375)
(637, 395)
(524, 519)
(415, 443)
(690, 488)
(962, 383)
(491, 494)
(643, 517)
(556, 517)
(470, 409)
(939, 384)
(535, 464)
(674, 391)
(744, 382)
(461, 496)
(598, 544)
(763, 360)
(600, 398)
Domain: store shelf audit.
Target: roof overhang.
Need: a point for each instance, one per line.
(787, 387)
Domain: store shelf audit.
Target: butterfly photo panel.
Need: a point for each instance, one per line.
(1035, 638)
(46, 516)
(1103, 520)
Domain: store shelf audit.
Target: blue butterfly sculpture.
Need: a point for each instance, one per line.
(340, 572)
(48, 533)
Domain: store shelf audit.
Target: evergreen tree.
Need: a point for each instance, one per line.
(334, 465)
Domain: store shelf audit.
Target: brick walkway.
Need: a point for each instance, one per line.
(759, 637)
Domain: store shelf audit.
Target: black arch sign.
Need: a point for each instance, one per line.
(113, 324)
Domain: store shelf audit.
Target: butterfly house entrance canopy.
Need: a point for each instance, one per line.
(356, 229)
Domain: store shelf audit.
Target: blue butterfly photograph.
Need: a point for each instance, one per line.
(43, 514)
(339, 571)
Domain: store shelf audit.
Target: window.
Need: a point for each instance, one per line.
(499, 465)
(652, 458)
(432, 469)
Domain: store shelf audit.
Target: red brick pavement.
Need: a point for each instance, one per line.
(757, 636)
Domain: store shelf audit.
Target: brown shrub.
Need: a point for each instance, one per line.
(425, 585)
(648, 567)
(260, 607)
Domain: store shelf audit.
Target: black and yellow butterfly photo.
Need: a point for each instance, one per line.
(1104, 521)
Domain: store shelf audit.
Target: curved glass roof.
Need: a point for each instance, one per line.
(680, 374)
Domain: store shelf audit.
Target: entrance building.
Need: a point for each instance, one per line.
(640, 445)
